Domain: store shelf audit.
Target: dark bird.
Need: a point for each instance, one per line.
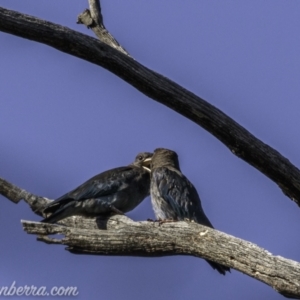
(173, 196)
(115, 191)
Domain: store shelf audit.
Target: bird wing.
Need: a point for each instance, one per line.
(108, 182)
(180, 195)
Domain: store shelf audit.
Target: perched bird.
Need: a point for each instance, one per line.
(173, 196)
(116, 191)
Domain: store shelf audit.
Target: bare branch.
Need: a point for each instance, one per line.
(93, 19)
(95, 9)
(240, 141)
(15, 194)
(125, 237)
(120, 235)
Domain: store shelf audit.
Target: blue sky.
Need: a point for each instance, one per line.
(63, 120)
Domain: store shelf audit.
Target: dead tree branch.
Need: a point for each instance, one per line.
(92, 18)
(240, 141)
(119, 235)
(16, 194)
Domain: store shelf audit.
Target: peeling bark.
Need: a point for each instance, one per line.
(120, 235)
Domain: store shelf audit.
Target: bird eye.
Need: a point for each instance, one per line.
(140, 157)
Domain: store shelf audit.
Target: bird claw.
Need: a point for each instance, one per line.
(165, 221)
(160, 221)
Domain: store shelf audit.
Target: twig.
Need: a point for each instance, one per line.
(95, 9)
(93, 19)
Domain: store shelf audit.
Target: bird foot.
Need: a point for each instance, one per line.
(160, 221)
(151, 220)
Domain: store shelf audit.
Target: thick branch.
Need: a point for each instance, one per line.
(125, 237)
(240, 142)
(122, 236)
(93, 19)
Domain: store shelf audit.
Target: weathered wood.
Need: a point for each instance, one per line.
(125, 237)
(240, 142)
(120, 235)
(92, 18)
(95, 9)
(15, 194)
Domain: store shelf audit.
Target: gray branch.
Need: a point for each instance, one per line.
(92, 18)
(15, 194)
(96, 14)
(240, 141)
(119, 235)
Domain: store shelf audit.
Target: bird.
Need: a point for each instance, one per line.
(173, 196)
(114, 191)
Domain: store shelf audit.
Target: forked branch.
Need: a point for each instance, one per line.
(92, 18)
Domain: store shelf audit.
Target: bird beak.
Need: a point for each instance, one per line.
(147, 164)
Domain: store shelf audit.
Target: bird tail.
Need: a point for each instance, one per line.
(52, 219)
(220, 268)
(61, 213)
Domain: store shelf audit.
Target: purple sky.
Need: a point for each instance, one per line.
(63, 120)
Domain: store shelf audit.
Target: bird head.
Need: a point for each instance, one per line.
(164, 158)
(143, 160)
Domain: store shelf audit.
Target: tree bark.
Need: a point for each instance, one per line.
(120, 235)
(16, 194)
(240, 141)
